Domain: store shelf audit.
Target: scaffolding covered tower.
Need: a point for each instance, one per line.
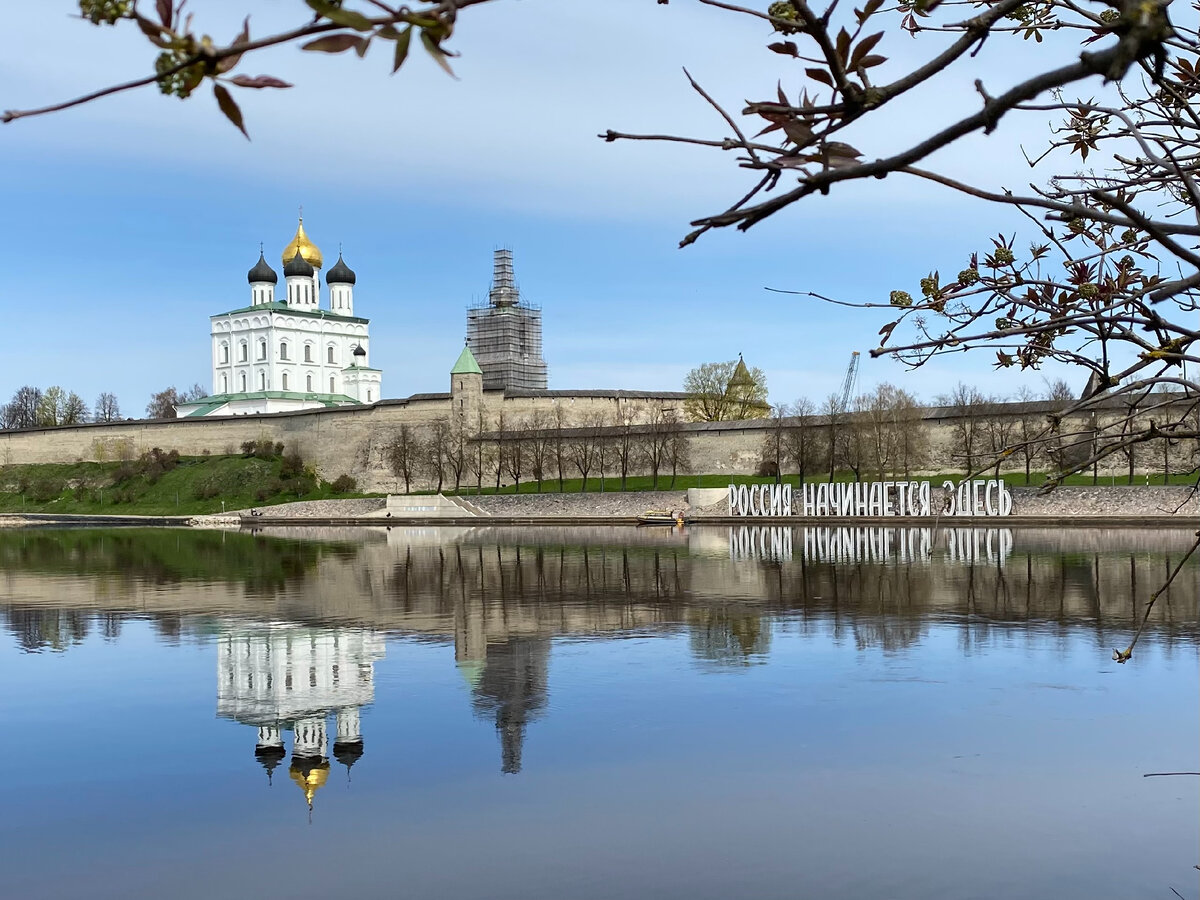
(505, 335)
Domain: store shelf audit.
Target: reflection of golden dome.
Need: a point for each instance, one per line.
(307, 248)
(310, 778)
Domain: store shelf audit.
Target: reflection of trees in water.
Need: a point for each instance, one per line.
(729, 635)
(892, 606)
(167, 556)
(483, 589)
(512, 688)
(47, 629)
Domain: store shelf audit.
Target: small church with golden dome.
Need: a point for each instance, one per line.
(294, 350)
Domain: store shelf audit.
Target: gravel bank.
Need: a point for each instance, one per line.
(1115, 501)
(319, 508)
(1118, 501)
(575, 505)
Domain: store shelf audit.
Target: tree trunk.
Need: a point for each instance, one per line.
(832, 450)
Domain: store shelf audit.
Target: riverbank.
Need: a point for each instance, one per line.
(1084, 506)
(1136, 501)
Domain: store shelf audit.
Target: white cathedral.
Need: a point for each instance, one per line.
(278, 355)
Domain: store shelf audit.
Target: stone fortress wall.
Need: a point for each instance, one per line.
(351, 439)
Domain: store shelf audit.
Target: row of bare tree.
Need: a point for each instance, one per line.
(541, 448)
(885, 433)
(32, 407)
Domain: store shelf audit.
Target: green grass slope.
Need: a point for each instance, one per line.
(165, 484)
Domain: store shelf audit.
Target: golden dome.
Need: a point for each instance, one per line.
(310, 778)
(308, 250)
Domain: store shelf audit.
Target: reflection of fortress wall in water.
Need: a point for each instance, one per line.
(478, 588)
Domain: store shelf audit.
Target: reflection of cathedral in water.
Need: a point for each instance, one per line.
(281, 678)
(284, 678)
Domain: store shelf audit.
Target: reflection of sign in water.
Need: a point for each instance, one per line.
(769, 542)
(852, 544)
(281, 678)
(992, 545)
(882, 544)
(870, 544)
(880, 499)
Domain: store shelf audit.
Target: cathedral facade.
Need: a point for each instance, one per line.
(291, 351)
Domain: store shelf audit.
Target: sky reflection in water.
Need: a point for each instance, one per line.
(595, 713)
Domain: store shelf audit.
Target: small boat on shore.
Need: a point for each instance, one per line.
(660, 517)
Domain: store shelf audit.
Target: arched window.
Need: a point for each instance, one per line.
(224, 384)
(308, 352)
(262, 349)
(243, 382)
(243, 352)
(331, 390)
(262, 381)
(330, 355)
(284, 385)
(224, 354)
(308, 383)
(283, 349)
(368, 395)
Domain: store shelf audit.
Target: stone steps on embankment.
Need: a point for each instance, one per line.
(427, 506)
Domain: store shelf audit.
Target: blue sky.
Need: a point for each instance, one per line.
(127, 222)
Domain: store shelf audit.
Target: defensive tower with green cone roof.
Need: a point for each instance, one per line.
(466, 388)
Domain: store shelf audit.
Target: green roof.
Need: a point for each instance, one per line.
(466, 364)
(208, 404)
(207, 408)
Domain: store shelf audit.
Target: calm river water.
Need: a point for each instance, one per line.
(596, 713)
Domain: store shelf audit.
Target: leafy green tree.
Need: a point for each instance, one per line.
(74, 411)
(50, 407)
(725, 391)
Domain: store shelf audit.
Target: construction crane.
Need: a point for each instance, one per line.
(848, 382)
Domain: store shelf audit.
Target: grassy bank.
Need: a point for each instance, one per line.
(683, 482)
(165, 484)
(168, 484)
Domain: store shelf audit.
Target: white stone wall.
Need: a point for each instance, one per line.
(322, 336)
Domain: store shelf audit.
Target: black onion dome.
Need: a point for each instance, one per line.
(340, 273)
(262, 272)
(359, 351)
(298, 265)
(348, 752)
